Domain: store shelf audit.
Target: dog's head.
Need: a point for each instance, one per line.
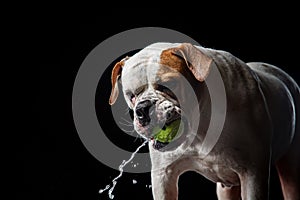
(151, 82)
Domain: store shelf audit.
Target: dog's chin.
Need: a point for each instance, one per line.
(161, 146)
(158, 145)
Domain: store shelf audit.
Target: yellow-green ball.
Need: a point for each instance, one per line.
(169, 133)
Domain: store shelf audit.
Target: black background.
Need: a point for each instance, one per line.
(54, 162)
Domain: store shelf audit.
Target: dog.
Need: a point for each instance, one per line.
(261, 127)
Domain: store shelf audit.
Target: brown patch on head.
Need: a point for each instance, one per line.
(188, 56)
(172, 65)
(169, 59)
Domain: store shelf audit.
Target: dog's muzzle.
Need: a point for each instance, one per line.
(150, 114)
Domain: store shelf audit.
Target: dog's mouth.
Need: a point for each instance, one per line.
(163, 136)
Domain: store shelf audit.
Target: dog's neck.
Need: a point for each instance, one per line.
(204, 108)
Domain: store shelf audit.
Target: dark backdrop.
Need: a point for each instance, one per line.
(55, 163)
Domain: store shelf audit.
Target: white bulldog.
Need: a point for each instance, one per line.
(262, 124)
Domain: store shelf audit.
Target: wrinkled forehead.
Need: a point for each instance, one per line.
(140, 75)
(140, 70)
(143, 67)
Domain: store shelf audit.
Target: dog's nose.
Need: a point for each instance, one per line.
(144, 111)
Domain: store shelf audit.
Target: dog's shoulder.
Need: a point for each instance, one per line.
(237, 76)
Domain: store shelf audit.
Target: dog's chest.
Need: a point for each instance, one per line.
(214, 170)
(217, 168)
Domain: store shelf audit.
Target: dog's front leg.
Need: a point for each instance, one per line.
(164, 184)
(255, 181)
(254, 188)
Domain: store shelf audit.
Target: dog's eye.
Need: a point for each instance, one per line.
(132, 98)
(171, 85)
(166, 90)
(138, 91)
(163, 88)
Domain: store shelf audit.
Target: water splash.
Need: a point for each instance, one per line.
(114, 181)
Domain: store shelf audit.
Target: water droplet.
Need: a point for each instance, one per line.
(114, 181)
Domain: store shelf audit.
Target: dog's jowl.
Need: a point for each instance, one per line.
(262, 111)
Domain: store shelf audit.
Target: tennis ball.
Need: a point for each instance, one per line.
(169, 133)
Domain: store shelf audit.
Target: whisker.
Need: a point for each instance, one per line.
(126, 120)
(130, 125)
(127, 110)
(128, 131)
(141, 139)
(137, 137)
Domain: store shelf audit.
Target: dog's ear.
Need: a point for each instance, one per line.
(197, 61)
(115, 75)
